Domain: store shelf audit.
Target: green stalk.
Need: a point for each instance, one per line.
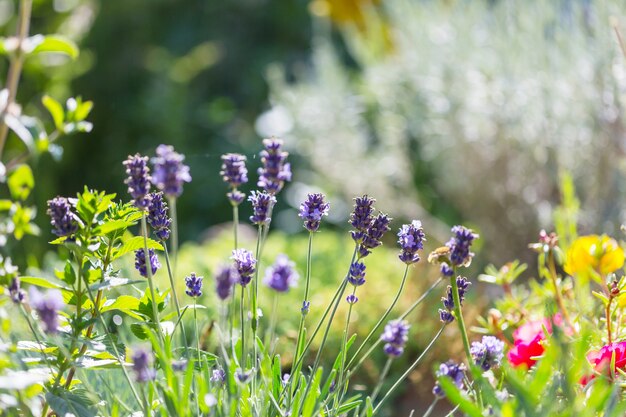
(432, 407)
(172, 201)
(383, 318)
(402, 317)
(459, 318)
(255, 313)
(230, 308)
(305, 299)
(409, 370)
(243, 330)
(381, 380)
(155, 309)
(343, 352)
(115, 349)
(195, 322)
(174, 295)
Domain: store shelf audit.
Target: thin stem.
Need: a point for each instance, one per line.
(243, 330)
(255, 313)
(273, 319)
(557, 292)
(195, 322)
(343, 352)
(172, 201)
(305, 299)
(402, 317)
(155, 309)
(383, 318)
(15, 69)
(608, 319)
(114, 346)
(432, 407)
(231, 302)
(459, 318)
(381, 379)
(174, 296)
(408, 371)
(236, 224)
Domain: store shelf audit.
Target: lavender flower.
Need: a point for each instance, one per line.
(487, 353)
(459, 245)
(261, 204)
(142, 365)
(281, 276)
(395, 335)
(374, 234)
(452, 370)
(169, 171)
(225, 278)
(446, 270)
(218, 376)
(140, 262)
(361, 217)
(306, 306)
(352, 299)
(243, 376)
(245, 264)
(446, 315)
(234, 171)
(411, 238)
(157, 216)
(312, 210)
(194, 285)
(180, 365)
(138, 180)
(63, 220)
(16, 292)
(275, 171)
(356, 274)
(235, 197)
(47, 307)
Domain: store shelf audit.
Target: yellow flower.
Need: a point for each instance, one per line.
(601, 254)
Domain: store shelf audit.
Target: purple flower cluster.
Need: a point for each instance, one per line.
(194, 285)
(142, 365)
(459, 245)
(47, 307)
(234, 173)
(446, 270)
(275, 170)
(218, 376)
(16, 292)
(261, 206)
(158, 217)
(374, 235)
(169, 171)
(411, 239)
(356, 274)
(63, 220)
(352, 299)
(361, 217)
(245, 264)
(140, 262)
(225, 278)
(452, 370)
(446, 315)
(312, 210)
(488, 352)
(306, 306)
(395, 336)
(281, 276)
(138, 180)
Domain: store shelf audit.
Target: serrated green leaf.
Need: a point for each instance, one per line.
(133, 244)
(64, 403)
(46, 282)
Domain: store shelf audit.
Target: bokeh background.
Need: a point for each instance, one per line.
(446, 111)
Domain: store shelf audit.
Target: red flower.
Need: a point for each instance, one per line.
(528, 341)
(601, 360)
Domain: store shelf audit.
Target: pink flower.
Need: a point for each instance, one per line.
(601, 360)
(528, 341)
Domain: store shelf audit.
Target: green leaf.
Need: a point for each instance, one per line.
(56, 111)
(112, 226)
(21, 182)
(77, 402)
(456, 397)
(114, 282)
(54, 44)
(125, 303)
(133, 244)
(6, 205)
(46, 282)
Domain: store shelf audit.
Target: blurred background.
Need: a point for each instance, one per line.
(445, 111)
